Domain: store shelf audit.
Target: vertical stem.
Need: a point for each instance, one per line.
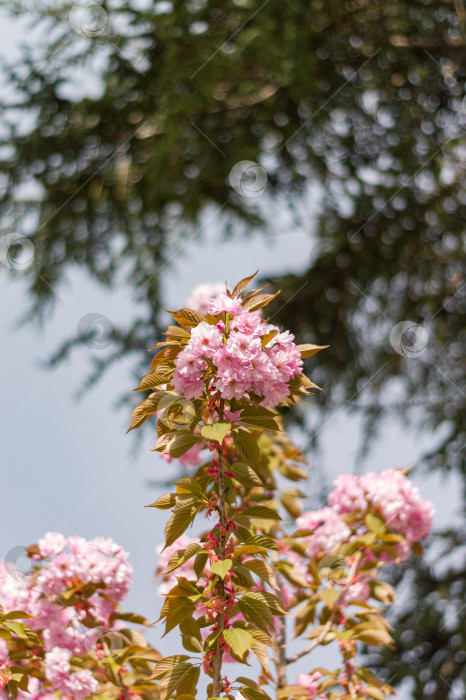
(280, 640)
(217, 679)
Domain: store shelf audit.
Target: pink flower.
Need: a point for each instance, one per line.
(51, 543)
(309, 681)
(348, 494)
(329, 530)
(205, 340)
(80, 684)
(222, 302)
(202, 294)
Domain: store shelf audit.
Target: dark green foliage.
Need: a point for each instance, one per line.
(363, 100)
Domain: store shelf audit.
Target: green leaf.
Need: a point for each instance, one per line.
(263, 541)
(374, 637)
(262, 512)
(182, 556)
(165, 502)
(329, 596)
(176, 678)
(247, 447)
(243, 284)
(256, 611)
(151, 380)
(188, 485)
(245, 474)
(17, 627)
(178, 523)
(221, 568)
(16, 615)
(310, 350)
(191, 635)
(375, 523)
(254, 693)
(148, 407)
(187, 317)
(178, 610)
(239, 640)
(180, 442)
(263, 570)
(248, 549)
(260, 652)
(258, 301)
(200, 563)
(215, 432)
(259, 417)
(268, 599)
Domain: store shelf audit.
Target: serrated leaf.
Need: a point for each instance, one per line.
(263, 570)
(187, 317)
(151, 380)
(259, 417)
(254, 693)
(176, 332)
(17, 628)
(263, 541)
(243, 284)
(178, 609)
(184, 555)
(221, 568)
(165, 502)
(373, 637)
(260, 652)
(16, 615)
(329, 596)
(245, 474)
(148, 407)
(268, 337)
(248, 549)
(200, 563)
(178, 523)
(180, 442)
(256, 611)
(176, 677)
(375, 693)
(310, 350)
(216, 432)
(239, 640)
(246, 446)
(191, 635)
(258, 301)
(375, 523)
(262, 512)
(271, 601)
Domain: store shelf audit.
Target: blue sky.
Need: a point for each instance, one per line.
(69, 466)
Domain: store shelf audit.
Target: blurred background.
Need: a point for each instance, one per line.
(147, 147)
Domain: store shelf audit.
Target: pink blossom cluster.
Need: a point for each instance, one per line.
(329, 531)
(80, 684)
(234, 349)
(63, 564)
(309, 682)
(391, 493)
(202, 294)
